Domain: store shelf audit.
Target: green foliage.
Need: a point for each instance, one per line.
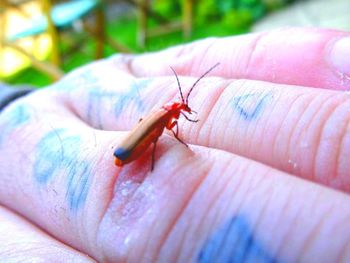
(169, 9)
(206, 11)
(211, 18)
(237, 18)
(241, 13)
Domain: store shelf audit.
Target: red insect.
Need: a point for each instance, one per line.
(149, 129)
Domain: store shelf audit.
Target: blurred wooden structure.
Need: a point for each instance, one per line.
(54, 19)
(145, 12)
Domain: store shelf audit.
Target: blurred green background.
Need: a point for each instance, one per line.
(122, 23)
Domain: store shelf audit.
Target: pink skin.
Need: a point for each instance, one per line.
(273, 114)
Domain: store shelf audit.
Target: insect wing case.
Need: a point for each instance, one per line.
(139, 139)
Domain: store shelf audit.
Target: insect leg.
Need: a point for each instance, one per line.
(176, 133)
(153, 153)
(175, 124)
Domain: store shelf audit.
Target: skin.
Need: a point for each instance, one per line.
(266, 176)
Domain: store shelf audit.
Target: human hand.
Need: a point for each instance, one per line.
(258, 183)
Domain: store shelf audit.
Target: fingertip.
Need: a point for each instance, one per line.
(294, 56)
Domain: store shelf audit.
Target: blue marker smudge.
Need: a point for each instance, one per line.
(120, 100)
(133, 95)
(233, 242)
(78, 185)
(250, 105)
(16, 117)
(58, 153)
(80, 78)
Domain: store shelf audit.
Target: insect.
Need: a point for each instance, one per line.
(150, 128)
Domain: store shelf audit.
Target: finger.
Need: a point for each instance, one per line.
(299, 130)
(298, 56)
(45, 174)
(20, 241)
(70, 187)
(116, 212)
(106, 97)
(242, 211)
(170, 208)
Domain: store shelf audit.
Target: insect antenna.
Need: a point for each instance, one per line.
(194, 84)
(178, 83)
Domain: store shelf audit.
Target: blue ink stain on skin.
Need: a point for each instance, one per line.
(242, 103)
(80, 78)
(233, 242)
(58, 153)
(133, 95)
(119, 99)
(16, 117)
(19, 115)
(78, 185)
(85, 78)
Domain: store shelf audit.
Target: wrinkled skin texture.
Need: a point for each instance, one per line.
(266, 176)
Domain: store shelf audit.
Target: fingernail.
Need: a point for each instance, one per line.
(340, 55)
